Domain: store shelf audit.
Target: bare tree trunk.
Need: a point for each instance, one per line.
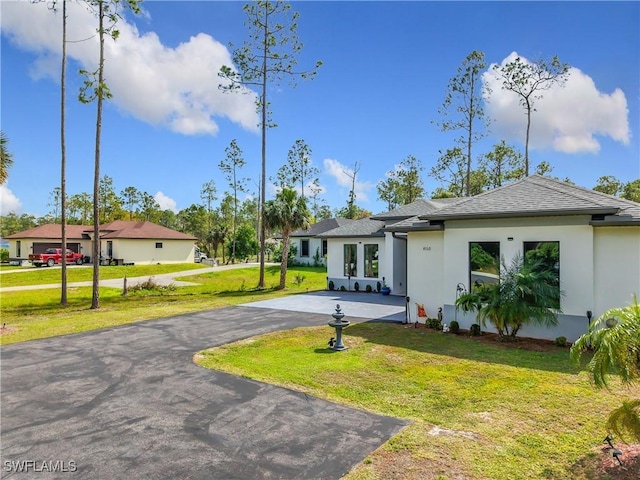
(63, 157)
(470, 137)
(526, 143)
(263, 198)
(285, 257)
(95, 298)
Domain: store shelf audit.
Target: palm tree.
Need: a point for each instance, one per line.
(6, 158)
(615, 339)
(288, 213)
(526, 293)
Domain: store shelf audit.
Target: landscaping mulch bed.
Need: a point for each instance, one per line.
(524, 343)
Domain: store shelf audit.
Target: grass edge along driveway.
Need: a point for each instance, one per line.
(35, 314)
(479, 410)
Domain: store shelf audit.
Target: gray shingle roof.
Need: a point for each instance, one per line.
(322, 226)
(419, 207)
(536, 196)
(365, 227)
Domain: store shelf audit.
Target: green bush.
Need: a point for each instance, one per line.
(474, 330)
(454, 327)
(332, 286)
(433, 323)
(560, 341)
(277, 254)
(356, 287)
(342, 288)
(368, 289)
(4, 255)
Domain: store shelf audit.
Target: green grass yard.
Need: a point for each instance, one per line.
(34, 314)
(480, 410)
(500, 412)
(44, 275)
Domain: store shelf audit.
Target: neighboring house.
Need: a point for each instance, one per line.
(38, 239)
(592, 242)
(126, 241)
(311, 248)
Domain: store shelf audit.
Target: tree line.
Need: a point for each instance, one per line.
(265, 59)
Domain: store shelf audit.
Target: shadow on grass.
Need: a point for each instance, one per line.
(603, 466)
(461, 346)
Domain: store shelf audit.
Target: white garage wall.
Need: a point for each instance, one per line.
(616, 252)
(145, 251)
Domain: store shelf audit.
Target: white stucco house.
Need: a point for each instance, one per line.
(427, 257)
(310, 247)
(122, 240)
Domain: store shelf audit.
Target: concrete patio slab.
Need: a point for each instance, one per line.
(360, 305)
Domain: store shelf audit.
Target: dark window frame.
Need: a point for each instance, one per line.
(483, 263)
(529, 246)
(304, 242)
(158, 244)
(350, 262)
(374, 261)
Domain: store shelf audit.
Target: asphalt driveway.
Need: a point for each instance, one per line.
(128, 402)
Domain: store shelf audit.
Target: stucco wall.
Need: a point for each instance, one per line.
(616, 252)
(145, 251)
(314, 244)
(425, 271)
(576, 265)
(335, 262)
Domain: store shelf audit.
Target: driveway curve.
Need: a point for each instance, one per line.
(128, 402)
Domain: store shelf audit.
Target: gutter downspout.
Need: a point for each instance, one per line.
(406, 276)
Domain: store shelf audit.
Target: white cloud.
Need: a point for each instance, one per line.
(567, 118)
(165, 202)
(176, 87)
(344, 175)
(8, 201)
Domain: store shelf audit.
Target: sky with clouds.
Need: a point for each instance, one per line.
(385, 70)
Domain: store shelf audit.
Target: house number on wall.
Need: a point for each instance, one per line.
(426, 249)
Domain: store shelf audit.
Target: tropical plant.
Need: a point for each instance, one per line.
(615, 339)
(6, 158)
(288, 212)
(523, 295)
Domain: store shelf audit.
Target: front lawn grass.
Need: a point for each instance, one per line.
(33, 314)
(504, 413)
(75, 273)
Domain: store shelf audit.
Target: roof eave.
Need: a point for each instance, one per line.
(537, 213)
(415, 228)
(616, 223)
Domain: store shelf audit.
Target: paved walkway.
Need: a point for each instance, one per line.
(162, 279)
(128, 402)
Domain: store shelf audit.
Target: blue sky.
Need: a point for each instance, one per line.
(385, 73)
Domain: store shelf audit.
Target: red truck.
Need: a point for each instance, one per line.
(51, 256)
